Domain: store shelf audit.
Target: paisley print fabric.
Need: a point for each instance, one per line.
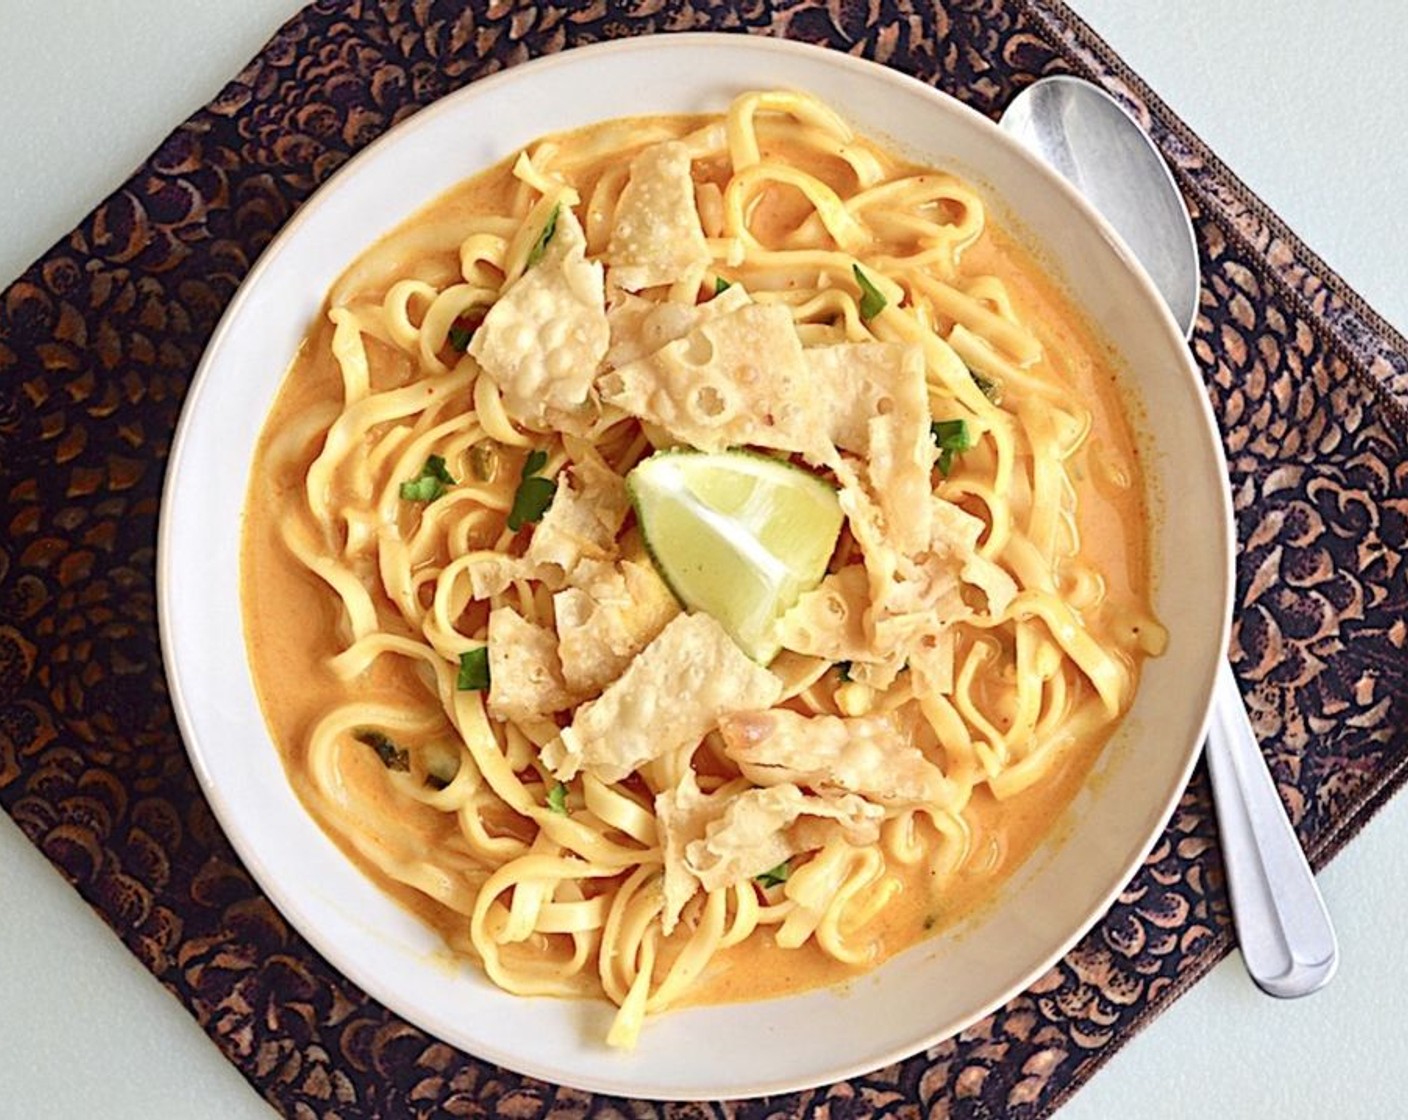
(98, 342)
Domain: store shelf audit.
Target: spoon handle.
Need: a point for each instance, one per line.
(1283, 928)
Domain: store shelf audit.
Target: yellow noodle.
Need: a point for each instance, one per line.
(559, 888)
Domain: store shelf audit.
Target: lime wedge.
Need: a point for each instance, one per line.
(737, 535)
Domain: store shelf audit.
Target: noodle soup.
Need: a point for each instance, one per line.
(476, 663)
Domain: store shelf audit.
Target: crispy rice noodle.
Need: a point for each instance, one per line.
(560, 887)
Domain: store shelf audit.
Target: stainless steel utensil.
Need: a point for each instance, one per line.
(1283, 928)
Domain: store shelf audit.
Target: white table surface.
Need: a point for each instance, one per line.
(1304, 100)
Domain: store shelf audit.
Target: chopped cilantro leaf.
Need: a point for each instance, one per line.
(557, 799)
(463, 328)
(871, 301)
(951, 436)
(534, 494)
(474, 670)
(392, 756)
(429, 484)
(721, 285)
(776, 876)
(530, 502)
(423, 489)
(535, 254)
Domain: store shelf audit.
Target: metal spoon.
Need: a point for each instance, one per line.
(1283, 928)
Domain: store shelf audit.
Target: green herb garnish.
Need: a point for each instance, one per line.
(775, 877)
(557, 798)
(474, 670)
(952, 436)
(534, 493)
(392, 756)
(721, 285)
(540, 247)
(429, 484)
(871, 301)
(530, 502)
(463, 328)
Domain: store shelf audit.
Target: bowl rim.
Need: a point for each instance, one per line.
(270, 884)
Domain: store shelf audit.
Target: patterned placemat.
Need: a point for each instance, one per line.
(98, 342)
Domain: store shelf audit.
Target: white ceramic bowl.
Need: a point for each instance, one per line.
(770, 1046)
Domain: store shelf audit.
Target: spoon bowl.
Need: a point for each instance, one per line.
(1083, 133)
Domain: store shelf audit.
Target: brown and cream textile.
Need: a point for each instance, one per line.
(98, 341)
